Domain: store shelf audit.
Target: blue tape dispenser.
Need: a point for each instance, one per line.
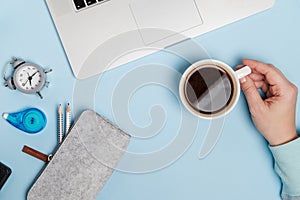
(31, 120)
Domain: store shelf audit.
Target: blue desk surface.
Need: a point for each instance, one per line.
(239, 167)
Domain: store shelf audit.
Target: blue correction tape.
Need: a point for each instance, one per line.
(31, 120)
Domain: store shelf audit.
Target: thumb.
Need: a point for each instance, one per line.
(252, 95)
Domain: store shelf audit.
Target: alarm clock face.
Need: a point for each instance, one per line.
(29, 78)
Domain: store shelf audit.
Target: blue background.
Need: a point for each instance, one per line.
(239, 167)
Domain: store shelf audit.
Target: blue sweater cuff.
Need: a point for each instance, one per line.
(287, 166)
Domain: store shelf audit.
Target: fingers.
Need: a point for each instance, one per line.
(273, 75)
(252, 95)
(263, 85)
(254, 75)
(257, 77)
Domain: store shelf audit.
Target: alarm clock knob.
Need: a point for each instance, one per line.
(10, 84)
(17, 62)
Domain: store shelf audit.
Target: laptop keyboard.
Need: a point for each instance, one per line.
(80, 4)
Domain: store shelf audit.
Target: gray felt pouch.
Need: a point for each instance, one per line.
(84, 161)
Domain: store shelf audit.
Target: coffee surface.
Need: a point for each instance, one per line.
(209, 89)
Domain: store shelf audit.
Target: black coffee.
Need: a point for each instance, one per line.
(209, 89)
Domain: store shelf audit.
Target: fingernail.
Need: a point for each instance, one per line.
(243, 80)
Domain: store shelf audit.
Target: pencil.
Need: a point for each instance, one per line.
(60, 124)
(68, 119)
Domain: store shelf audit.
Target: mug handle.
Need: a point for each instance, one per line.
(244, 71)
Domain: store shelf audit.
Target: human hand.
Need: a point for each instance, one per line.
(274, 116)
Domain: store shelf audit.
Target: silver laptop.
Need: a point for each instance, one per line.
(98, 35)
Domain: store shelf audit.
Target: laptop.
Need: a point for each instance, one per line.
(98, 35)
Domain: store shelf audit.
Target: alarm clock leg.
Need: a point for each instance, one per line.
(47, 71)
(40, 95)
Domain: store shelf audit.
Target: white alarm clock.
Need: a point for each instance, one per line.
(27, 77)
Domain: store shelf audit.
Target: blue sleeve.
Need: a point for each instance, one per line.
(287, 166)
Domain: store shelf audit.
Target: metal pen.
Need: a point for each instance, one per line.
(68, 119)
(60, 124)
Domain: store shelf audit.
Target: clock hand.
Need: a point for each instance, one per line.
(29, 79)
(25, 82)
(34, 74)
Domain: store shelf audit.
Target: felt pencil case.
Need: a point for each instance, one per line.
(84, 161)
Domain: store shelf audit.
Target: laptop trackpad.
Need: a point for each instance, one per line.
(164, 17)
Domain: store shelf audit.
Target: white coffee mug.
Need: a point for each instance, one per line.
(210, 88)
